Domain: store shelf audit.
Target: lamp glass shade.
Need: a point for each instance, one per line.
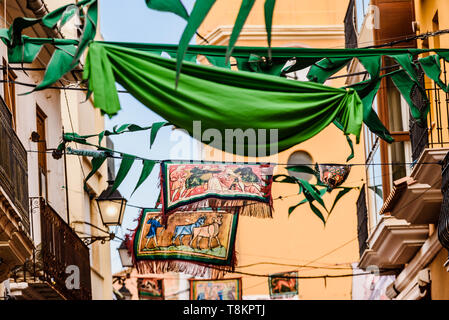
(111, 206)
(125, 256)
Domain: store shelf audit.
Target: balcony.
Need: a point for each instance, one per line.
(443, 221)
(44, 276)
(15, 241)
(393, 243)
(13, 167)
(436, 134)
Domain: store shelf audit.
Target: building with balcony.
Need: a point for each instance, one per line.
(45, 213)
(402, 219)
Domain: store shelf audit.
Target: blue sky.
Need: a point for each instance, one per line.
(134, 22)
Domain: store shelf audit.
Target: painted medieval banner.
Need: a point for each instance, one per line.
(194, 242)
(283, 285)
(193, 185)
(212, 289)
(150, 288)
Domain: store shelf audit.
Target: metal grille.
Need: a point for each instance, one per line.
(436, 134)
(13, 166)
(362, 221)
(443, 221)
(419, 137)
(350, 31)
(61, 247)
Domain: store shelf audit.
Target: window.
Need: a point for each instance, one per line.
(374, 183)
(9, 91)
(300, 158)
(42, 155)
(361, 10)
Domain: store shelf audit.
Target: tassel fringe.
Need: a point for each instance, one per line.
(194, 269)
(243, 207)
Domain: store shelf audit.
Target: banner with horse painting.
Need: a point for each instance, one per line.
(195, 242)
(283, 285)
(150, 288)
(223, 289)
(193, 185)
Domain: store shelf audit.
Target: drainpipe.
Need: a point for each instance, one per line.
(38, 7)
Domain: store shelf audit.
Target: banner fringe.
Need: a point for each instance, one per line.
(244, 207)
(193, 269)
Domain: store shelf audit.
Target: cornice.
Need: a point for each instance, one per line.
(292, 33)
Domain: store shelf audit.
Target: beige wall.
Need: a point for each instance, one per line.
(301, 238)
(83, 119)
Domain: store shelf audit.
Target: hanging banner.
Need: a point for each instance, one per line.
(194, 242)
(333, 175)
(211, 289)
(283, 285)
(150, 288)
(193, 185)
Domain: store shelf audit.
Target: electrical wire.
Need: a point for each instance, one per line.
(268, 163)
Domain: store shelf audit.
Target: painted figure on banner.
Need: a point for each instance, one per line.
(182, 230)
(190, 186)
(210, 231)
(283, 285)
(152, 232)
(225, 289)
(204, 235)
(186, 182)
(150, 289)
(177, 182)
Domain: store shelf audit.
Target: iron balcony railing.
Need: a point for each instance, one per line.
(443, 221)
(436, 133)
(60, 248)
(362, 221)
(350, 30)
(13, 166)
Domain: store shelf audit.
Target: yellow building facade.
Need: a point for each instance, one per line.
(406, 209)
(299, 242)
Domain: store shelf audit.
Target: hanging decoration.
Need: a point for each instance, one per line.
(150, 288)
(101, 154)
(189, 185)
(191, 242)
(328, 177)
(283, 285)
(213, 289)
(209, 95)
(67, 53)
(333, 175)
(323, 63)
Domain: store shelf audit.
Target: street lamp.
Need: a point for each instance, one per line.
(111, 206)
(126, 294)
(125, 256)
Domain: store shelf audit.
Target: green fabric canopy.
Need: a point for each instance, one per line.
(219, 98)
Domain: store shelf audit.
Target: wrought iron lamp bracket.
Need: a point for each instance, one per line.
(103, 239)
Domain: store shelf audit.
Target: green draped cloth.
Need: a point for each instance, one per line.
(221, 99)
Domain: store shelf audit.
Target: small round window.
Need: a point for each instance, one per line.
(300, 158)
